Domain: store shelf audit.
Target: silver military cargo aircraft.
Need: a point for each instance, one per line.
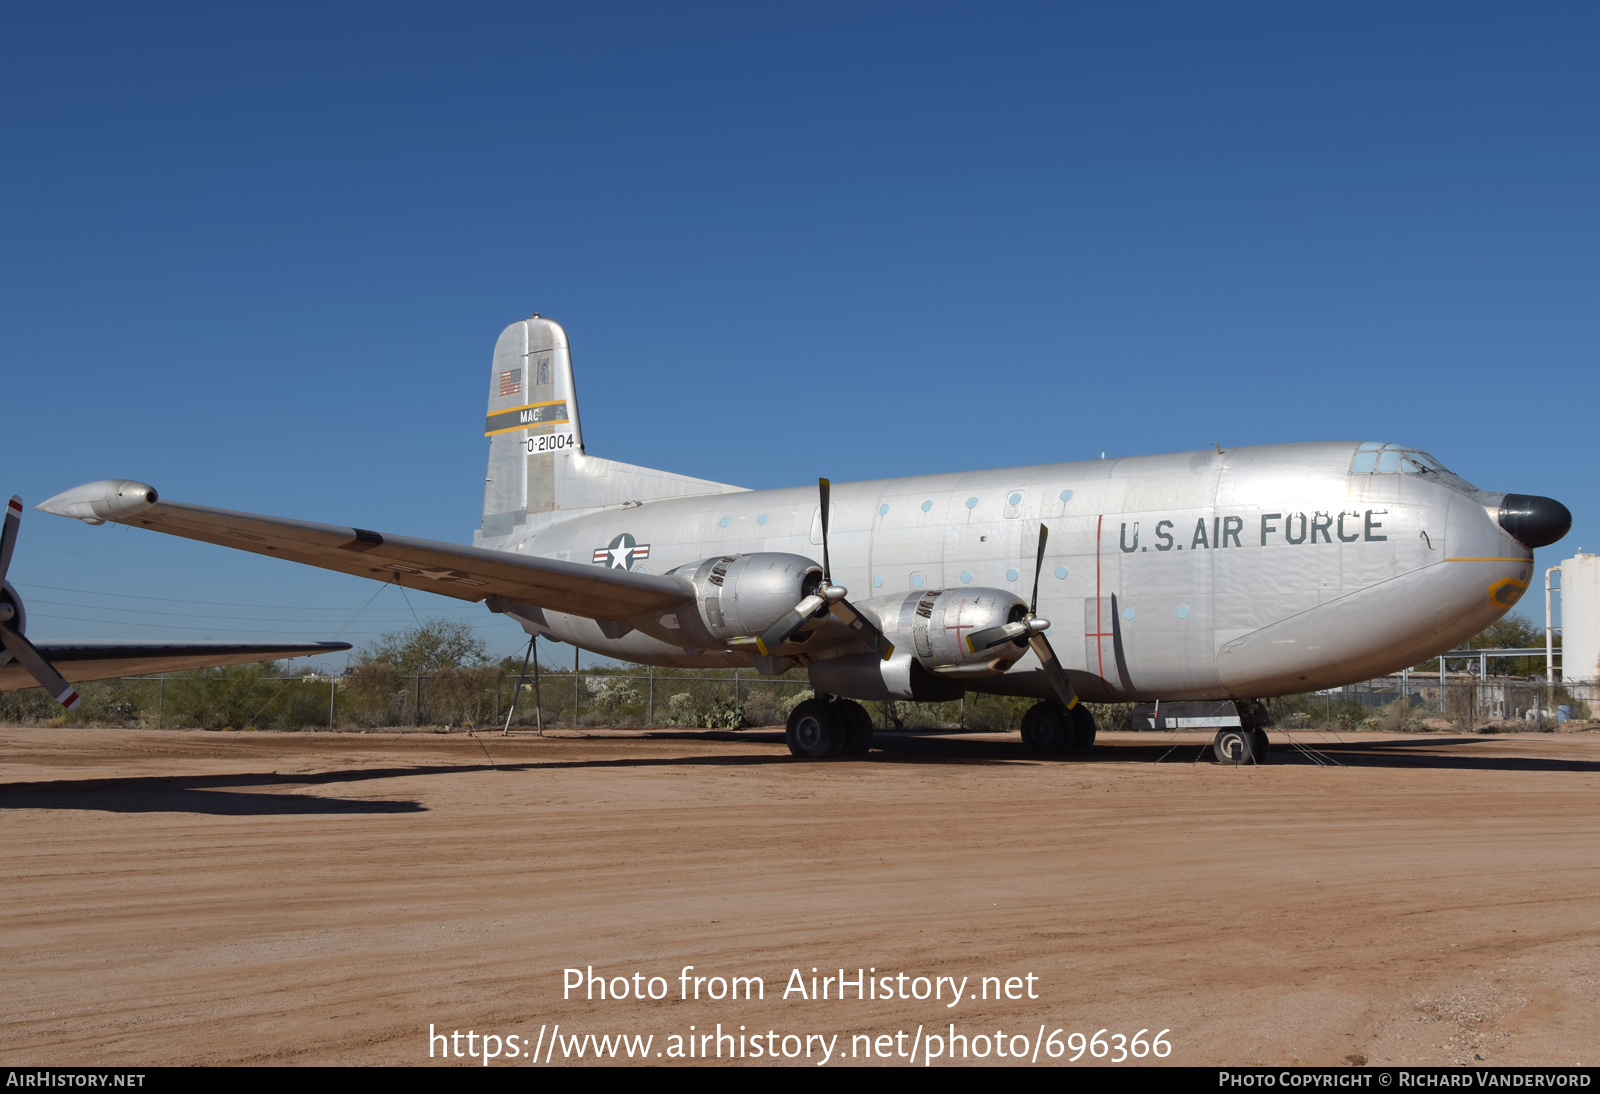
(1236, 574)
(51, 665)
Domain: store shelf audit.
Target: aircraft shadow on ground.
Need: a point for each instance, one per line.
(213, 794)
(207, 795)
(1433, 752)
(1314, 748)
(227, 795)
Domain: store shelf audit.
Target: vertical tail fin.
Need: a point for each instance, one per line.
(537, 464)
(532, 421)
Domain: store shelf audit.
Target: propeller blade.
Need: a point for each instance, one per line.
(823, 488)
(978, 641)
(990, 637)
(1053, 671)
(862, 628)
(8, 537)
(38, 668)
(1038, 567)
(777, 634)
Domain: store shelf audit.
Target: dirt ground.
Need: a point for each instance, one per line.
(190, 897)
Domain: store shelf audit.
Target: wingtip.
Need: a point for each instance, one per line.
(105, 499)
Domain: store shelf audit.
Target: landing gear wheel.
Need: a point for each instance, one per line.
(1235, 746)
(1263, 746)
(857, 727)
(1047, 729)
(814, 731)
(1083, 728)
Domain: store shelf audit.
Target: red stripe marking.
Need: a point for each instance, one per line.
(15, 506)
(1099, 643)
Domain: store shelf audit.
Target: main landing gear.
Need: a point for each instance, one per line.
(1049, 727)
(1235, 746)
(820, 728)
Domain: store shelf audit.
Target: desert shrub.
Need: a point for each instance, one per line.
(28, 707)
(725, 714)
(681, 709)
(229, 697)
(374, 694)
(995, 713)
(459, 696)
(770, 704)
(1400, 716)
(1113, 716)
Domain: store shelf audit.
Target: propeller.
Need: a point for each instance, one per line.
(1033, 628)
(829, 597)
(16, 646)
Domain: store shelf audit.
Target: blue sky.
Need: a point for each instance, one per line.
(258, 256)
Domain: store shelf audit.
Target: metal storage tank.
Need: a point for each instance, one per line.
(1580, 619)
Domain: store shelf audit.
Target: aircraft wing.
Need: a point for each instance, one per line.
(467, 573)
(78, 661)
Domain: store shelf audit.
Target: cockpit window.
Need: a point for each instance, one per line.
(1375, 457)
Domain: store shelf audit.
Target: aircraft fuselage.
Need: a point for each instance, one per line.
(1253, 572)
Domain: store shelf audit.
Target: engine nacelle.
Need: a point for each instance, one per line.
(929, 630)
(11, 610)
(742, 595)
(934, 626)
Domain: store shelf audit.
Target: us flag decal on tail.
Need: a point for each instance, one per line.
(511, 382)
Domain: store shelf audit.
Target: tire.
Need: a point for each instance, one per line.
(1046, 729)
(1083, 728)
(814, 732)
(857, 727)
(1263, 746)
(1237, 746)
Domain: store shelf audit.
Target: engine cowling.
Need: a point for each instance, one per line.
(929, 629)
(742, 595)
(934, 625)
(11, 610)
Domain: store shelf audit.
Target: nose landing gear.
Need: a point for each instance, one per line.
(1235, 746)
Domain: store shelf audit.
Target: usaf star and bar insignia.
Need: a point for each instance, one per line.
(623, 552)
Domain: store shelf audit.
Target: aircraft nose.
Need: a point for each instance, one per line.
(1534, 521)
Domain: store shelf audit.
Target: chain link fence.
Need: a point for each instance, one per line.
(375, 696)
(1406, 703)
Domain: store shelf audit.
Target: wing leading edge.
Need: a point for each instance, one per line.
(466, 573)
